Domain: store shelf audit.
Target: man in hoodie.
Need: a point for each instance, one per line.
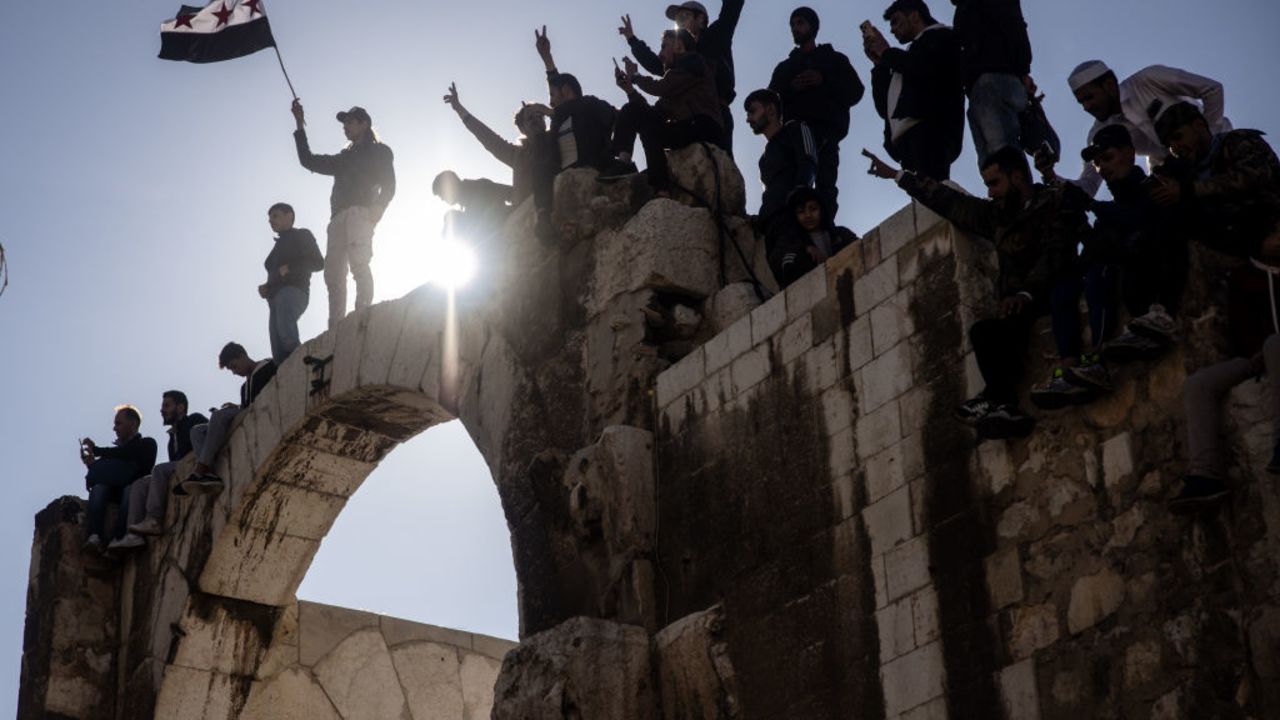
(790, 161)
(687, 110)
(918, 91)
(1129, 103)
(1035, 230)
(207, 440)
(580, 136)
(292, 260)
(996, 55)
(364, 182)
(521, 156)
(1253, 315)
(714, 44)
(111, 470)
(818, 86)
(1216, 181)
(149, 496)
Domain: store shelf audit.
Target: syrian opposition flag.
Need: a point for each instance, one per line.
(221, 30)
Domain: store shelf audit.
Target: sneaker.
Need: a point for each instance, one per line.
(974, 410)
(204, 484)
(618, 170)
(1091, 374)
(1156, 324)
(128, 542)
(1130, 346)
(149, 526)
(94, 543)
(1273, 467)
(1198, 494)
(1005, 421)
(1059, 393)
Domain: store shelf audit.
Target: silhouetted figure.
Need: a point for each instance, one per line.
(149, 496)
(522, 156)
(111, 470)
(292, 260)
(209, 439)
(789, 162)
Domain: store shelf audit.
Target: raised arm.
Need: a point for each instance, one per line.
(322, 164)
(965, 212)
(645, 55)
(497, 146)
(1180, 83)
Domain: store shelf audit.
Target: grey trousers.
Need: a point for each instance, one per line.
(208, 438)
(350, 246)
(149, 496)
(287, 305)
(1202, 397)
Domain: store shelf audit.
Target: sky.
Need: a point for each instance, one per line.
(134, 219)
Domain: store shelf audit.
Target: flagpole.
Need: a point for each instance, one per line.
(286, 72)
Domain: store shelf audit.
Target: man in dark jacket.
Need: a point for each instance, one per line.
(480, 205)
(522, 156)
(790, 161)
(207, 440)
(111, 470)
(818, 86)
(687, 110)
(287, 290)
(996, 54)
(1253, 314)
(1216, 181)
(148, 497)
(364, 182)
(918, 91)
(715, 45)
(1035, 230)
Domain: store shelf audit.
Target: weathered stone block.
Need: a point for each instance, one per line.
(694, 669)
(878, 285)
(886, 377)
(1004, 578)
(913, 679)
(360, 678)
(907, 567)
(710, 176)
(879, 430)
(768, 319)
(888, 521)
(681, 377)
(1093, 599)
(732, 303)
(1019, 692)
(1034, 627)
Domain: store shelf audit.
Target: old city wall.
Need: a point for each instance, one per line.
(718, 508)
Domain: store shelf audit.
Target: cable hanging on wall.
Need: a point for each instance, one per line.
(4, 272)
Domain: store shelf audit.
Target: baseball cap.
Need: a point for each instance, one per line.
(355, 113)
(1086, 73)
(1111, 136)
(694, 6)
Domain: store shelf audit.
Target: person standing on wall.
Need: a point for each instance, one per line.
(288, 287)
(364, 182)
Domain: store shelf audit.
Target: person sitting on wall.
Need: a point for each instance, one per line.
(149, 495)
(290, 264)
(111, 470)
(1253, 315)
(522, 156)
(1035, 230)
(809, 244)
(481, 204)
(687, 111)
(209, 438)
(1217, 182)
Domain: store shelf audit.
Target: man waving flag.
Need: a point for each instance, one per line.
(221, 30)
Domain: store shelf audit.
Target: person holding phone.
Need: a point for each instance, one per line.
(111, 470)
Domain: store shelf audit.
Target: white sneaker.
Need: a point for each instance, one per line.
(93, 543)
(128, 542)
(1156, 324)
(149, 526)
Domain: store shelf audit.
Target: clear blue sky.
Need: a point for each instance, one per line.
(135, 193)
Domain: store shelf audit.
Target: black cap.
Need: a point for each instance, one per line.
(1175, 117)
(1109, 137)
(355, 113)
(692, 6)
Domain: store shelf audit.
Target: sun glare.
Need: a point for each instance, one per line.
(450, 263)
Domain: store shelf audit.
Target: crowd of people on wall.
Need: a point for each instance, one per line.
(1177, 173)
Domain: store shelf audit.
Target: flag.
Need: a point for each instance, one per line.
(222, 30)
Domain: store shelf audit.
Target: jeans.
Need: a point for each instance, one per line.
(111, 484)
(1202, 397)
(1000, 344)
(350, 246)
(286, 306)
(149, 496)
(827, 176)
(208, 438)
(657, 135)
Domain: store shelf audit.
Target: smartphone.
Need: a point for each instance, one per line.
(868, 30)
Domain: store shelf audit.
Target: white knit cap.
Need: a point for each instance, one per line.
(1086, 73)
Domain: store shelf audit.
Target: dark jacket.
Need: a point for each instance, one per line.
(1036, 244)
(180, 436)
(296, 248)
(790, 258)
(592, 123)
(825, 107)
(715, 46)
(685, 91)
(520, 157)
(1253, 307)
(932, 89)
(790, 160)
(363, 174)
(993, 38)
(141, 451)
(1120, 222)
(254, 384)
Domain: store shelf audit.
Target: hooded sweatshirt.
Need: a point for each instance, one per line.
(825, 107)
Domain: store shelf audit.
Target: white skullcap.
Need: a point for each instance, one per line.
(1086, 73)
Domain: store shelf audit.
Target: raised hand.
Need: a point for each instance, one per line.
(879, 168)
(542, 43)
(630, 66)
(299, 115)
(626, 31)
(451, 99)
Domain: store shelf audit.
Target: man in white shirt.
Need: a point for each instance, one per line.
(1135, 102)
